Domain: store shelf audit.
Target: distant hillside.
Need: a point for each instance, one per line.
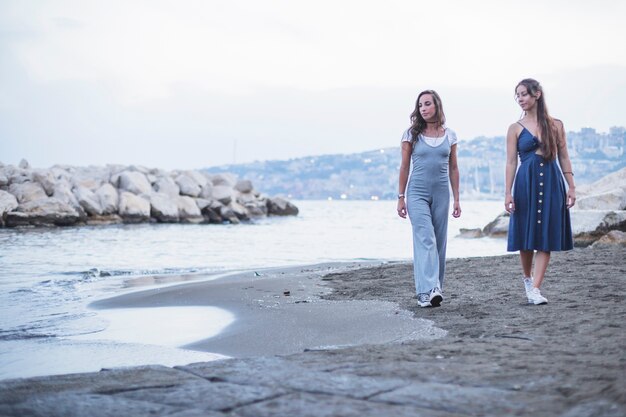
(374, 174)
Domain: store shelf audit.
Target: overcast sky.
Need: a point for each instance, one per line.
(190, 84)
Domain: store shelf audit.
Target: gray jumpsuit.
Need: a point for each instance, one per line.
(428, 202)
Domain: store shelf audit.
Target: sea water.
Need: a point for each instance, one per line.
(48, 277)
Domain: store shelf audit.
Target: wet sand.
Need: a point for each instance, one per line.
(281, 311)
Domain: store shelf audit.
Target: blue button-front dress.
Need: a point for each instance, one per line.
(541, 220)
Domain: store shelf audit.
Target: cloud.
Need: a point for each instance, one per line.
(200, 83)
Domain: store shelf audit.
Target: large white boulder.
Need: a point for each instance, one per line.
(188, 210)
(207, 191)
(164, 208)
(16, 175)
(27, 191)
(226, 179)
(244, 186)
(134, 182)
(227, 213)
(197, 176)
(188, 186)
(246, 198)
(202, 203)
(43, 212)
(60, 173)
(589, 225)
(108, 197)
(608, 193)
(90, 177)
(240, 211)
(615, 179)
(614, 199)
(88, 200)
(613, 238)
(166, 185)
(223, 193)
(46, 178)
(63, 192)
(211, 211)
(499, 227)
(8, 203)
(133, 208)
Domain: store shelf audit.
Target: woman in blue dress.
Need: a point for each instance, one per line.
(539, 202)
(431, 147)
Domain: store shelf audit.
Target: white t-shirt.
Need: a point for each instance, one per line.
(434, 142)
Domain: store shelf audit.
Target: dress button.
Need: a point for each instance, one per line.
(540, 193)
(538, 221)
(540, 201)
(541, 174)
(541, 164)
(538, 211)
(541, 184)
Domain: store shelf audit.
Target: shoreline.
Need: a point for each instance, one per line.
(289, 301)
(500, 356)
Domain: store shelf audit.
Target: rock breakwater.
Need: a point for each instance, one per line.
(68, 195)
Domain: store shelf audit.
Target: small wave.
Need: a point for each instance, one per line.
(97, 274)
(22, 291)
(23, 335)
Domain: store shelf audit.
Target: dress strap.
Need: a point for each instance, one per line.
(520, 123)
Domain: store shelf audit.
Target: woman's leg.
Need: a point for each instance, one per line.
(439, 214)
(541, 265)
(526, 256)
(425, 259)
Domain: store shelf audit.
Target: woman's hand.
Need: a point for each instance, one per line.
(571, 198)
(509, 205)
(402, 208)
(456, 209)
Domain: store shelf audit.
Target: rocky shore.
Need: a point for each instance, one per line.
(598, 217)
(497, 355)
(68, 195)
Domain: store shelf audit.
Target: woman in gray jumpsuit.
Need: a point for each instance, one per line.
(430, 148)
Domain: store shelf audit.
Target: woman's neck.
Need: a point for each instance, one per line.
(432, 129)
(531, 115)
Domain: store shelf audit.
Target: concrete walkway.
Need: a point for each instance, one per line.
(384, 380)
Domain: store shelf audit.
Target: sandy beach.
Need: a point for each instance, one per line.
(573, 348)
(350, 340)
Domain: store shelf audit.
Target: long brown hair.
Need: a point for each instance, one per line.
(548, 129)
(418, 124)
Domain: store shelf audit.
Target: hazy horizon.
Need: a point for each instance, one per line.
(195, 83)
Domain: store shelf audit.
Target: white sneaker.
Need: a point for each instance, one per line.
(435, 297)
(536, 298)
(423, 300)
(528, 284)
